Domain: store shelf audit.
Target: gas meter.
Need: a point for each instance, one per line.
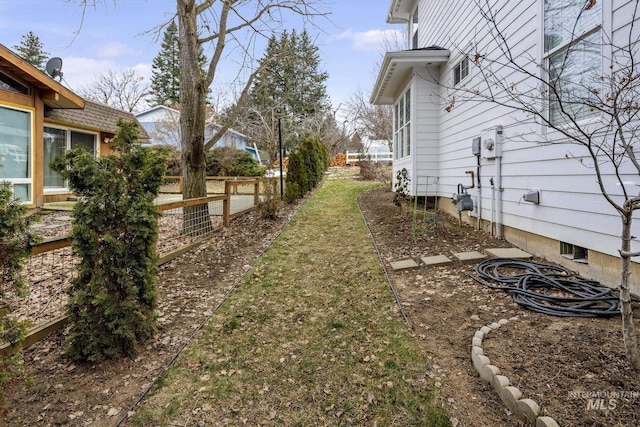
(462, 200)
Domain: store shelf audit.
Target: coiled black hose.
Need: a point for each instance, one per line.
(548, 288)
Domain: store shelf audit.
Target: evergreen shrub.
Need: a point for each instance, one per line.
(112, 301)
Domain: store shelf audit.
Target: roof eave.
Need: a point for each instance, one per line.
(52, 93)
(395, 68)
(400, 11)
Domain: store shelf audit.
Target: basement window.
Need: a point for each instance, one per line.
(574, 252)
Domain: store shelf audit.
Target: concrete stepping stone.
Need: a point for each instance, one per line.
(434, 261)
(472, 256)
(403, 264)
(508, 253)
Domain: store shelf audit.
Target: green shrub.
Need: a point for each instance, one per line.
(174, 165)
(306, 168)
(229, 161)
(16, 243)
(112, 300)
(292, 192)
(268, 206)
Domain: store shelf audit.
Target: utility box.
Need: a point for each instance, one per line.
(476, 146)
(491, 142)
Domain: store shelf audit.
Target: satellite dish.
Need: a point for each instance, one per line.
(54, 67)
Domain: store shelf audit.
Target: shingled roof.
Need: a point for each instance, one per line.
(94, 116)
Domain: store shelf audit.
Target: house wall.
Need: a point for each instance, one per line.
(34, 104)
(571, 207)
(425, 128)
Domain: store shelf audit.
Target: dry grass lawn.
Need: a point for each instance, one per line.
(311, 336)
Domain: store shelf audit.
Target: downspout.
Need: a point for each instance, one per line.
(498, 192)
(479, 225)
(499, 188)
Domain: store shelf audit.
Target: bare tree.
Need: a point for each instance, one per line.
(373, 121)
(123, 89)
(219, 24)
(167, 129)
(558, 96)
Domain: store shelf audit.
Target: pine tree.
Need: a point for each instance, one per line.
(292, 88)
(165, 80)
(31, 50)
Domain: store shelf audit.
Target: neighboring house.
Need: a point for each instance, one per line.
(162, 123)
(572, 223)
(40, 118)
(92, 127)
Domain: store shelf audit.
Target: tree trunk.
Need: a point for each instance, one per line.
(192, 120)
(628, 333)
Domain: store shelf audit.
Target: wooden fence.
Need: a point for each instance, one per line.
(52, 264)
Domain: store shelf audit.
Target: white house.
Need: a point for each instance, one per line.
(525, 183)
(162, 123)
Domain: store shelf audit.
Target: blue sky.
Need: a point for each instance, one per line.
(122, 36)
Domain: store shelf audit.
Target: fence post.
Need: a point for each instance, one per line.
(256, 192)
(226, 204)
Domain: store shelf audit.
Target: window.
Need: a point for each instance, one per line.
(402, 126)
(413, 30)
(56, 142)
(572, 49)
(461, 70)
(576, 253)
(7, 83)
(15, 146)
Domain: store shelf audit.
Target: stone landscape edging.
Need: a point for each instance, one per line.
(525, 409)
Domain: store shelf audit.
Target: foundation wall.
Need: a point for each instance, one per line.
(601, 267)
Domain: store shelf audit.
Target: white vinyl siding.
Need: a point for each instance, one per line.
(571, 209)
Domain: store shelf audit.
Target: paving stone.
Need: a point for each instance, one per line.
(489, 372)
(500, 382)
(527, 410)
(508, 253)
(477, 350)
(510, 396)
(469, 256)
(495, 325)
(63, 218)
(486, 329)
(479, 360)
(503, 321)
(479, 334)
(434, 261)
(403, 264)
(546, 422)
(476, 341)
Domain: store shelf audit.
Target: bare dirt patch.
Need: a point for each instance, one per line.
(547, 358)
(50, 391)
(561, 363)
